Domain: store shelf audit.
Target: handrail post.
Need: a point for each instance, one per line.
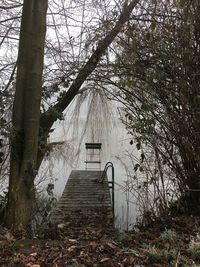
(113, 191)
(107, 166)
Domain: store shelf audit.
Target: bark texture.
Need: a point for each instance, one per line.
(26, 114)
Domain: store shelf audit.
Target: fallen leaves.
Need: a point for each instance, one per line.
(90, 247)
(105, 262)
(33, 265)
(9, 237)
(111, 246)
(93, 245)
(71, 248)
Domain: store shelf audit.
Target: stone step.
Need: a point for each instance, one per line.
(83, 195)
(81, 205)
(89, 186)
(84, 207)
(86, 210)
(72, 209)
(90, 205)
(98, 200)
(79, 194)
(94, 187)
(81, 198)
(85, 190)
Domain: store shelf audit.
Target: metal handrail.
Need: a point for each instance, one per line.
(107, 166)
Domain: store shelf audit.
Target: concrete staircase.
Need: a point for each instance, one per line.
(84, 200)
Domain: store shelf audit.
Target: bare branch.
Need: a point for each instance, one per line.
(10, 7)
(47, 119)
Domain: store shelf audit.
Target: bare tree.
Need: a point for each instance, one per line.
(157, 64)
(29, 126)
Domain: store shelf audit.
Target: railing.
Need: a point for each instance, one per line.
(111, 183)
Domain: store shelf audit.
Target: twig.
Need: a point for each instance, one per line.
(177, 259)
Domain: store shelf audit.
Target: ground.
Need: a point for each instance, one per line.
(170, 241)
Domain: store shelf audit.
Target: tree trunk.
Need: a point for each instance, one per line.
(26, 114)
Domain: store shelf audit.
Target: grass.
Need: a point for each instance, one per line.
(194, 248)
(169, 236)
